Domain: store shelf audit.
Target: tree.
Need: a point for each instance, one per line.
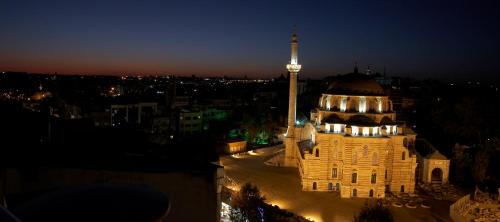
(237, 216)
(247, 203)
(374, 212)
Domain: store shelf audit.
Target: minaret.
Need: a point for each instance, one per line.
(293, 69)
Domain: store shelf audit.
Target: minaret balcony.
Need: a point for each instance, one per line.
(293, 68)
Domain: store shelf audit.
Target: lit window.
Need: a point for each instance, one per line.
(395, 130)
(375, 131)
(337, 128)
(321, 102)
(388, 129)
(355, 130)
(366, 131)
(343, 103)
(327, 127)
(362, 104)
(379, 104)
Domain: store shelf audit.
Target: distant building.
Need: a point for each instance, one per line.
(180, 101)
(100, 118)
(190, 121)
(133, 114)
(235, 146)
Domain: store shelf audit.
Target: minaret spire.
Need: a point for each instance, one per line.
(293, 68)
(368, 70)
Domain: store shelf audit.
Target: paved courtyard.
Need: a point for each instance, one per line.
(281, 186)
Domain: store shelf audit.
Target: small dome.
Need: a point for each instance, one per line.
(361, 120)
(355, 84)
(387, 121)
(436, 155)
(333, 118)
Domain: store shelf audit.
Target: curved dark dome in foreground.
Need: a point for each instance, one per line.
(355, 84)
(101, 202)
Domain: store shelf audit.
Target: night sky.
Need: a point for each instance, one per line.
(440, 38)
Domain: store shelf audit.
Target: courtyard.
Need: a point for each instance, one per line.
(281, 186)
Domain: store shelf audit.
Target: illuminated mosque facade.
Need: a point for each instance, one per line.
(352, 143)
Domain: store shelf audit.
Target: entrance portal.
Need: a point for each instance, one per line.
(437, 175)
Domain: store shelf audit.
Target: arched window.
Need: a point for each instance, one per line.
(402, 188)
(362, 104)
(354, 177)
(334, 172)
(374, 177)
(337, 128)
(354, 192)
(337, 186)
(315, 186)
(343, 103)
(317, 152)
(375, 159)
(366, 131)
(379, 104)
(371, 193)
(365, 151)
(388, 130)
(354, 157)
(403, 155)
(330, 186)
(354, 130)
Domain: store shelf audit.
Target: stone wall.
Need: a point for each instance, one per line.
(357, 154)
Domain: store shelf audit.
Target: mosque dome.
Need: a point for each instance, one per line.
(355, 84)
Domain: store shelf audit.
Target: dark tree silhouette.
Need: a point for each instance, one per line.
(374, 212)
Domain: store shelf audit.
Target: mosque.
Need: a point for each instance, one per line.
(352, 143)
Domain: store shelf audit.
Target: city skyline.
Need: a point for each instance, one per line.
(445, 40)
